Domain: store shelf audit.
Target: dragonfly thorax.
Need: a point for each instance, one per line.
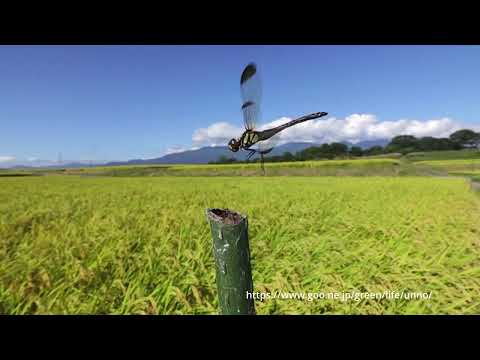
(248, 139)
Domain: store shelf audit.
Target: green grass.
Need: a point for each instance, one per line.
(296, 164)
(443, 155)
(473, 175)
(414, 164)
(452, 165)
(318, 167)
(388, 155)
(97, 245)
(353, 167)
(235, 166)
(469, 168)
(16, 172)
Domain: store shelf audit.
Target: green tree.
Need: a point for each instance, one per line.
(356, 151)
(374, 150)
(447, 144)
(429, 143)
(225, 160)
(222, 159)
(288, 156)
(403, 144)
(466, 138)
(325, 149)
(337, 149)
(316, 152)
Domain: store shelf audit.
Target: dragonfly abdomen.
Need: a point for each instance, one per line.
(267, 134)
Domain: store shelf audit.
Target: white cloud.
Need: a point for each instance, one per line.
(175, 149)
(215, 134)
(7, 159)
(32, 159)
(354, 128)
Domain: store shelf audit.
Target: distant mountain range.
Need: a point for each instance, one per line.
(213, 153)
(370, 143)
(51, 165)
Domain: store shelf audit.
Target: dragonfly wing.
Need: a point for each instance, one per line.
(251, 89)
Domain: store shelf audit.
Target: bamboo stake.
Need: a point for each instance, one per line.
(232, 259)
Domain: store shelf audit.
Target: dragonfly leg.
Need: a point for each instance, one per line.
(261, 160)
(250, 154)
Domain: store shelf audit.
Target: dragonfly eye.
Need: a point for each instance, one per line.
(233, 145)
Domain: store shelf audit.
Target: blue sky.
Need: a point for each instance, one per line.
(124, 102)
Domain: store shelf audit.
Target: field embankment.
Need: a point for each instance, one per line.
(352, 167)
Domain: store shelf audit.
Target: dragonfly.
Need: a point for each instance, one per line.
(253, 139)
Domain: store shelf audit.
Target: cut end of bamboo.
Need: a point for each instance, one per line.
(225, 216)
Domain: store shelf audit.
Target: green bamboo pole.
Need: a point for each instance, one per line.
(232, 259)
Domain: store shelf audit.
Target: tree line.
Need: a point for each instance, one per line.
(404, 144)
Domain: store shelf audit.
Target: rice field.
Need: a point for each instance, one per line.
(350, 167)
(296, 164)
(452, 165)
(473, 175)
(361, 163)
(142, 245)
(443, 155)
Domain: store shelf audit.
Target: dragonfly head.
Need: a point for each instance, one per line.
(234, 145)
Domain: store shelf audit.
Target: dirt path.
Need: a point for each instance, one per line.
(474, 185)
